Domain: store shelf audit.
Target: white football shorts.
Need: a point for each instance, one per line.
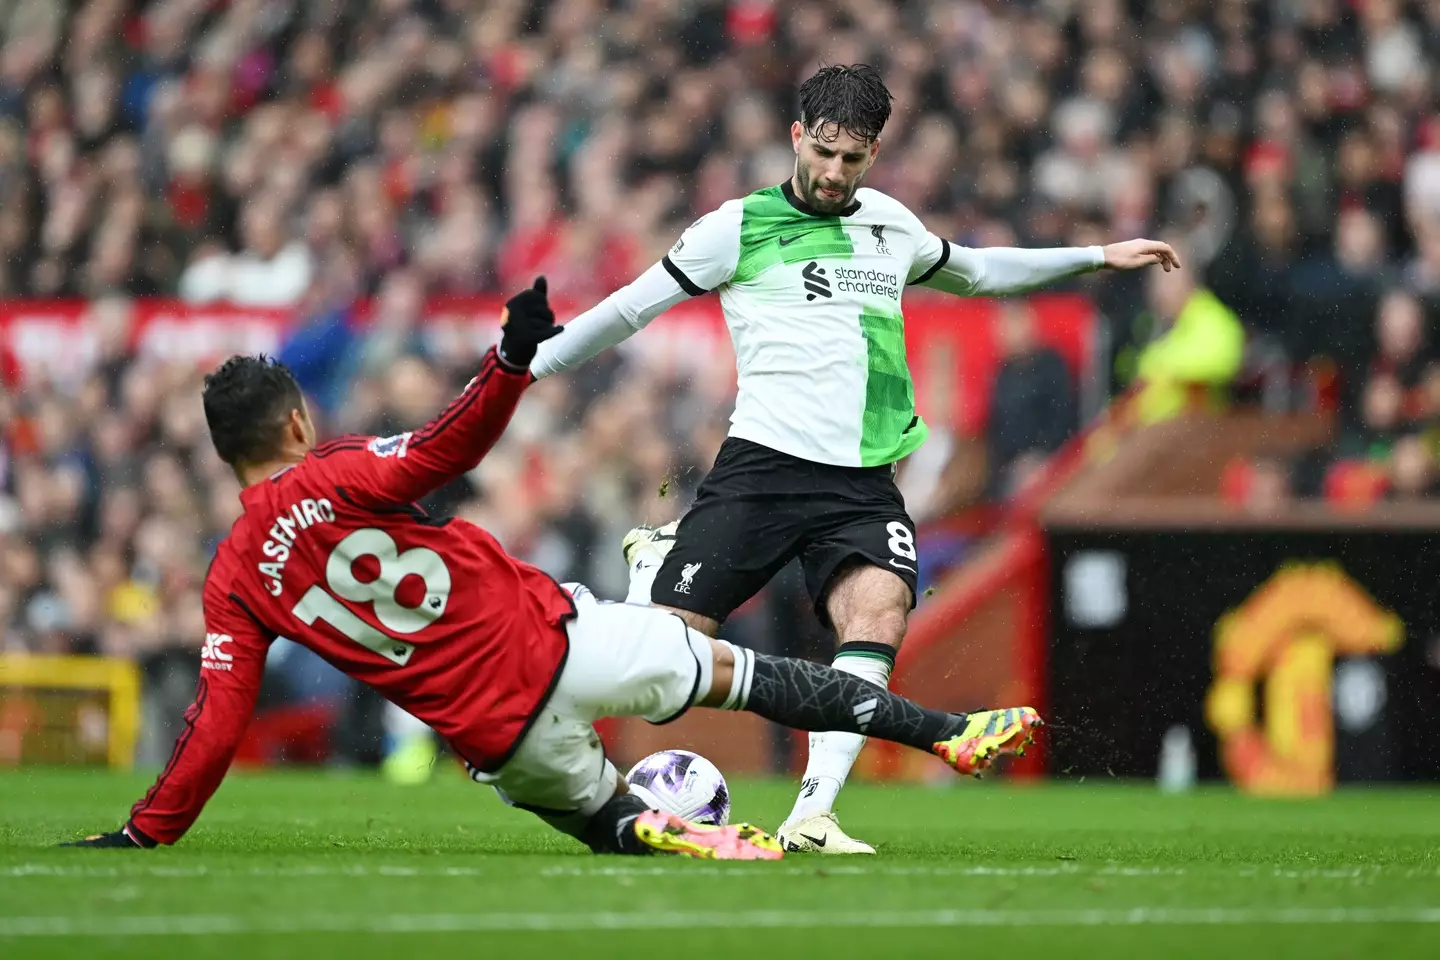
(625, 660)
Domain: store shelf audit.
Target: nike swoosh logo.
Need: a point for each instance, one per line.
(785, 243)
(818, 843)
(901, 566)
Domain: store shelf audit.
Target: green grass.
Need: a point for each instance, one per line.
(315, 865)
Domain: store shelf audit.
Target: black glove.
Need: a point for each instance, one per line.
(121, 838)
(526, 323)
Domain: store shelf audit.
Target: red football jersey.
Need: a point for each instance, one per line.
(333, 554)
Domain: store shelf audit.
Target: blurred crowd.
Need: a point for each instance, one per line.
(306, 153)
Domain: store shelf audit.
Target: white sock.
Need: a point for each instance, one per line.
(642, 577)
(833, 753)
(740, 679)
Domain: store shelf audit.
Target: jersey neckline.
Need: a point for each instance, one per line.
(789, 193)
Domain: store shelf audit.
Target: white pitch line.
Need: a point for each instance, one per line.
(163, 926)
(36, 871)
(829, 870)
(41, 870)
(45, 870)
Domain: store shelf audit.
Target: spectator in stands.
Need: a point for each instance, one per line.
(270, 271)
(1196, 348)
(1255, 273)
(1032, 405)
(1381, 420)
(1412, 468)
(1262, 486)
(1332, 298)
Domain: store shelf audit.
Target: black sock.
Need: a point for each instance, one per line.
(612, 829)
(812, 696)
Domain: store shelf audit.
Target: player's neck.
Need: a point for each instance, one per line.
(250, 474)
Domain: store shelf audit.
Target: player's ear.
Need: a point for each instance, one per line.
(300, 428)
(797, 132)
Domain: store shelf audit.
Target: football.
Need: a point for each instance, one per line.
(683, 783)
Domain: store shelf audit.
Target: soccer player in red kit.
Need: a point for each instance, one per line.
(510, 667)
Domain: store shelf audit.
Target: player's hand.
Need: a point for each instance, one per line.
(526, 322)
(118, 839)
(1134, 254)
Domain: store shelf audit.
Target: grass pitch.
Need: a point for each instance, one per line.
(318, 865)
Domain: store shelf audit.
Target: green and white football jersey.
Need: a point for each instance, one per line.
(813, 306)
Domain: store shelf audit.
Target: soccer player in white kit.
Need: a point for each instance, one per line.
(810, 275)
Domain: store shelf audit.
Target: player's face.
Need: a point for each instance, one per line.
(828, 172)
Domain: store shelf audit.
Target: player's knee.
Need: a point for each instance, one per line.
(695, 621)
(883, 625)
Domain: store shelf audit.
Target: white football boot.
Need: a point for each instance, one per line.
(645, 549)
(820, 833)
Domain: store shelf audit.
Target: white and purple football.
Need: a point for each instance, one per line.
(683, 783)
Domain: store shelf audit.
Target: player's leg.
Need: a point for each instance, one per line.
(628, 823)
(861, 567)
(630, 660)
(560, 772)
(639, 661)
(813, 696)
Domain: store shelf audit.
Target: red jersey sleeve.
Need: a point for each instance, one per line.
(404, 468)
(231, 665)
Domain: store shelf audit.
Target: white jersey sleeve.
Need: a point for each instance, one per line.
(702, 259)
(997, 271)
(706, 254)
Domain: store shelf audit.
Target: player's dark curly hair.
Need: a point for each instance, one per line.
(852, 98)
(247, 401)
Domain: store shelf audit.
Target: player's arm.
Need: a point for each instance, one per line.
(702, 259)
(405, 468)
(231, 666)
(997, 271)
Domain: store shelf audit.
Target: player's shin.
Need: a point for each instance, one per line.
(833, 753)
(812, 696)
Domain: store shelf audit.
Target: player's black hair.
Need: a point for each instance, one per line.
(852, 98)
(247, 401)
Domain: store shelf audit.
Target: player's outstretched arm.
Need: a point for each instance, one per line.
(702, 259)
(999, 271)
(402, 469)
(231, 665)
(610, 322)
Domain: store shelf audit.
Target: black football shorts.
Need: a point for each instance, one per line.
(759, 508)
